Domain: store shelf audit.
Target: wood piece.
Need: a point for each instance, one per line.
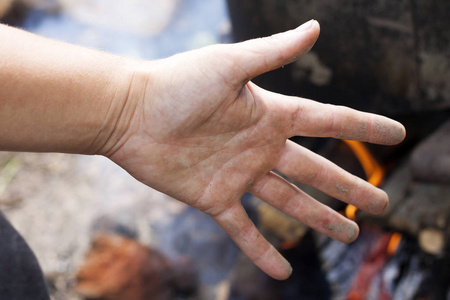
(284, 228)
(396, 186)
(117, 267)
(430, 161)
(120, 268)
(432, 241)
(426, 206)
(418, 209)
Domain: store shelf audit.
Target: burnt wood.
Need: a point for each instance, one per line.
(382, 56)
(430, 160)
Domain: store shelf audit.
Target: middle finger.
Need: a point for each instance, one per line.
(305, 166)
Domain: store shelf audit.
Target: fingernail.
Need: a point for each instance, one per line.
(305, 26)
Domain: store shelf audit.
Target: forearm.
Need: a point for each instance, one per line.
(59, 97)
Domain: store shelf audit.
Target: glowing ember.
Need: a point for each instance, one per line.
(393, 244)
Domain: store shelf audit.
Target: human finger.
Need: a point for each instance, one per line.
(303, 117)
(305, 166)
(244, 233)
(257, 56)
(289, 199)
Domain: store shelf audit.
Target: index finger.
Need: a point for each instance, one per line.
(306, 117)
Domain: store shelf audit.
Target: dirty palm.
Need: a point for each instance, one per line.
(203, 133)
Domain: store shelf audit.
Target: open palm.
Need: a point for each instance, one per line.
(200, 131)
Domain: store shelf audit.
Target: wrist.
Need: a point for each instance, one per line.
(57, 97)
(123, 108)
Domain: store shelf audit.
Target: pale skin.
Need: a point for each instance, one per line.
(193, 126)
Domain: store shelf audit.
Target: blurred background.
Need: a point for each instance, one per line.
(99, 234)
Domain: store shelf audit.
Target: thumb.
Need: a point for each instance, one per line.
(261, 55)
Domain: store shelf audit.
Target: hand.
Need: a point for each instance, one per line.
(200, 131)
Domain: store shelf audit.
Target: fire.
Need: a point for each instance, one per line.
(350, 211)
(393, 244)
(373, 170)
(387, 245)
(375, 175)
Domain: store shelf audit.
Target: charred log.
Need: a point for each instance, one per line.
(383, 56)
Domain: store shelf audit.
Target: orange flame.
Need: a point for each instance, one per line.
(373, 170)
(375, 175)
(393, 244)
(350, 211)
